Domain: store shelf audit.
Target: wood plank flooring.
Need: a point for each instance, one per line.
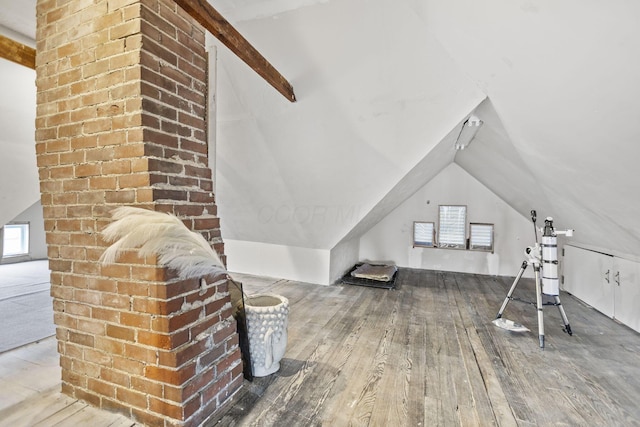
(427, 354)
(53, 409)
(424, 354)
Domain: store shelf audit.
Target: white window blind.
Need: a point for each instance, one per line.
(423, 234)
(481, 237)
(452, 225)
(15, 240)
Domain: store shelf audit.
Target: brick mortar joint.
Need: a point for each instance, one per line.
(187, 188)
(163, 64)
(175, 159)
(187, 306)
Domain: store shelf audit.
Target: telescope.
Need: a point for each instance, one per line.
(544, 259)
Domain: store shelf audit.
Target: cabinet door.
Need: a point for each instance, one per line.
(626, 280)
(588, 275)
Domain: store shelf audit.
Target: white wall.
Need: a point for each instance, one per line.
(279, 261)
(343, 257)
(19, 185)
(391, 238)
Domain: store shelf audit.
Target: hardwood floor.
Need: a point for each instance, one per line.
(427, 354)
(53, 409)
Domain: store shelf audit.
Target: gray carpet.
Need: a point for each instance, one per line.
(26, 308)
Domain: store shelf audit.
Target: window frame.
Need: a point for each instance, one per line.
(417, 244)
(473, 247)
(452, 245)
(24, 237)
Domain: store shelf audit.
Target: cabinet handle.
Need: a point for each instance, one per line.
(617, 277)
(606, 276)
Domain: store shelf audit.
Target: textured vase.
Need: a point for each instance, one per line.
(267, 322)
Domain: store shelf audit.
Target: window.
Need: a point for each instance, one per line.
(452, 225)
(15, 240)
(423, 234)
(481, 237)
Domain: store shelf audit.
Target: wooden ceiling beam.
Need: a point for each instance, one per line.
(17, 52)
(221, 29)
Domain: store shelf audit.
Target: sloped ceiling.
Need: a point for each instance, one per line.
(562, 77)
(381, 83)
(381, 86)
(375, 94)
(495, 160)
(18, 20)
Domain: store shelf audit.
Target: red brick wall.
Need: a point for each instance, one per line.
(121, 120)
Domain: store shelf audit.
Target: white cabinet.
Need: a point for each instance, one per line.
(626, 280)
(587, 275)
(609, 284)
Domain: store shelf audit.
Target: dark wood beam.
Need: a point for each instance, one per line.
(17, 52)
(221, 29)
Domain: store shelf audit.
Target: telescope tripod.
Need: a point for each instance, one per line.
(539, 304)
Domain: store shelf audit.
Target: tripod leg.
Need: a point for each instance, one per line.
(536, 269)
(513, 288)
(565, 320)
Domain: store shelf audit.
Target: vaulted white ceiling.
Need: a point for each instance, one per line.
(382, 89)
(381, 85)
(18, 18)
(371, 106)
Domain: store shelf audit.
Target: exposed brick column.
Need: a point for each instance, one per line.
(121, 121)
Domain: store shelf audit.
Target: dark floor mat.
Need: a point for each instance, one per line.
(348, 279)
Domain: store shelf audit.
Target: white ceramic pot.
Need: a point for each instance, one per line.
(267, 322)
